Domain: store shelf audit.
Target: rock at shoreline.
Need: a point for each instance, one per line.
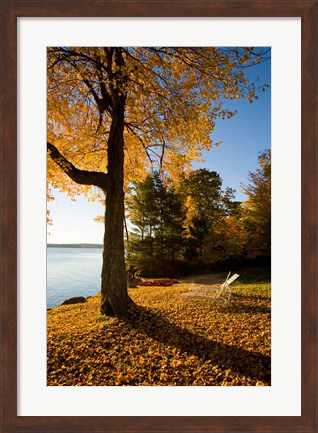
(75, 300)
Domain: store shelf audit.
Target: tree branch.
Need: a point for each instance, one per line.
(83, 177)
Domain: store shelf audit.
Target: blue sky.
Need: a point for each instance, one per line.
(242, 137)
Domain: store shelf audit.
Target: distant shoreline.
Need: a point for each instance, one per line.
(74, 245)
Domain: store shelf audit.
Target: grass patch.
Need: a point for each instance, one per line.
(165, 340)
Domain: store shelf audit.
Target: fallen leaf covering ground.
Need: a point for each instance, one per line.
(166, 339)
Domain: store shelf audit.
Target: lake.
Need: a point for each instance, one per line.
(72, 272)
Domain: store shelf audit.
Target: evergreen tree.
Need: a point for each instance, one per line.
(156, 212)
(207, 210)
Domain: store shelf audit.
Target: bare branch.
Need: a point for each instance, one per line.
(141, 141)
(82, 177)
(162, 153)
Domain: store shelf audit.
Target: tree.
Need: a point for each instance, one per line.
(256, 210)
(207, 208)
(156, 211)
(114, 110)
(143, 212)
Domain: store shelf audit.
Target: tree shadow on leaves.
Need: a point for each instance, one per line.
(251, 297)
(248, 307)
(240, 360)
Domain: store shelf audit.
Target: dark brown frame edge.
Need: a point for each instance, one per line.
(11, 10)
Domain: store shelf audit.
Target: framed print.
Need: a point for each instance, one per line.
(29, 29)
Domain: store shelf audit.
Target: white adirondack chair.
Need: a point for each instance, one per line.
(221, 294)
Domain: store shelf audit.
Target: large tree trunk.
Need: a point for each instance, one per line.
(114, 291)
(112, 99)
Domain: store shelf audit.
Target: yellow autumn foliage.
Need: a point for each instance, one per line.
(173, 97)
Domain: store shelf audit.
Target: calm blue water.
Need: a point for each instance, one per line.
(72, 272)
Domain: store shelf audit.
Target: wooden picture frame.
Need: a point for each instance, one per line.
(11, 10)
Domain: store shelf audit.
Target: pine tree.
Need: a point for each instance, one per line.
(155, 210)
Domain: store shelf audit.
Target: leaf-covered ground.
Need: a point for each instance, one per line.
(166, 339)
